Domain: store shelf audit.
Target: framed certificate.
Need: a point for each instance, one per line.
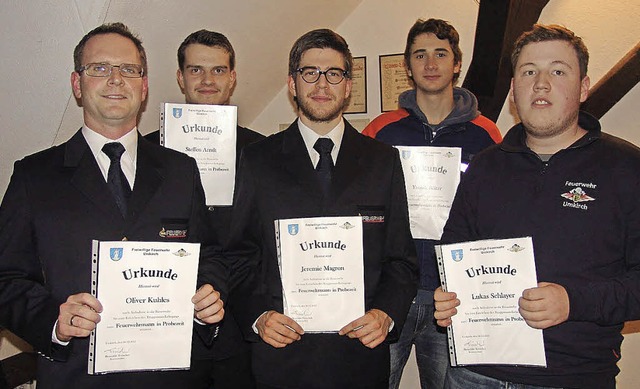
(393, 80)
(358, 100)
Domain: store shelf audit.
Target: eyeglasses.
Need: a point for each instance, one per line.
(310, 74)
(128, 70)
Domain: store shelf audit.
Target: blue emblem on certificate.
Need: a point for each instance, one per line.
(115, 253)
(456, 255)
(293, 229)
(177, 113)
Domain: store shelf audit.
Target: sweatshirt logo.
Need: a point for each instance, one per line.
(577, 196)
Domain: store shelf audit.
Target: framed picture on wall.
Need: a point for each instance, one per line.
(393, 80)
(358, 100)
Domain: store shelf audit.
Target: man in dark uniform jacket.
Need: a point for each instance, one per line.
(60, 199)
(206, 75)
(285, 176)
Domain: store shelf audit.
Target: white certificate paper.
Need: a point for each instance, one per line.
(208, 134)
(431, 177)
(488, 277)
(145, 289)
(322, 270)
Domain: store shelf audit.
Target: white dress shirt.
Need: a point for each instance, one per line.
(128, 159)
(310, 137)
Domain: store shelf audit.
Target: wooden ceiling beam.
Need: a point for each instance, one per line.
(614, 85)
(500, 23)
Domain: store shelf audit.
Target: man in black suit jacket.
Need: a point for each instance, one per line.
(277, 180)
(58, 200)
(206, 75)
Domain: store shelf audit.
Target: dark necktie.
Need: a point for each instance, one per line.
(325, 165)
(116, 180)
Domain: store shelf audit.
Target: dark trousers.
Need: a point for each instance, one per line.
(230, 373)
(381, 385)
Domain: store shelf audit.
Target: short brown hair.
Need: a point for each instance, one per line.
(210, 39)
(320, 39)
(552, 32)
(108, 28)
(441, 29)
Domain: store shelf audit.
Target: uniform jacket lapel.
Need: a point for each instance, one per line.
(348, 164)
(87, 177)
(149, 176)
(89, 180)
(296, 160)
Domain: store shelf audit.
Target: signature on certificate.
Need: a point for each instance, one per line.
(474, 343)
(300, 312)
(117, 352)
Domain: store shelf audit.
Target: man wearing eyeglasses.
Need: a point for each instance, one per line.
(105, 183)
(321, 166)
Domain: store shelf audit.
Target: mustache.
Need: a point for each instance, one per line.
(314, 94)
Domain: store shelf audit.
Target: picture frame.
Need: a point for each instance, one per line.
(393, 80)
(358, 98)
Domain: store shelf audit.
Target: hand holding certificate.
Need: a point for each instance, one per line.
(489, 277)
(145, 289)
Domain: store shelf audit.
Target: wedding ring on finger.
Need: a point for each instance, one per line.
(71, 320)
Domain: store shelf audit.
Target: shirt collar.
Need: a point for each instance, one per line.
(310, 137)
(128, 140)
(128, 159)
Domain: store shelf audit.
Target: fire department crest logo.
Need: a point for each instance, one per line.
(515, 248)
(181, 253)
(577, 195)
(347, 226)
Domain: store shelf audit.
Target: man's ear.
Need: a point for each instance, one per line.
(347, 90)
(511, 92)
(232, 77)
(75, 85)
(408, 69)
(145, 87)
(457, 67)
(180, 79)
(584, 88)
(291, 82)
